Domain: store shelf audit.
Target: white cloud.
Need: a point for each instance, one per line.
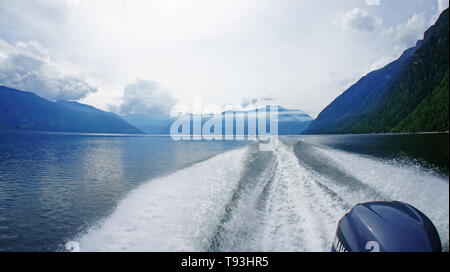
(27, 66)
(373, 2)
(357, 19)
(407, 34)
(380, 63)
(34, 48)
(251, 102)
(442, 5)
(146, 97)
(73, 2)
(247, 103)
(394, 39)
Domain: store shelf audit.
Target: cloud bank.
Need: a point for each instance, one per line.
(255, 101)
(442, 5)
(407, 34)
(358, 19)
(27, 66)
(398, 37)
(146, 97)
(373, 2)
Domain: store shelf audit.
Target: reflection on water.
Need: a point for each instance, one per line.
(53, 186)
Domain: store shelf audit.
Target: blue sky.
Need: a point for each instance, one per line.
(143, 56)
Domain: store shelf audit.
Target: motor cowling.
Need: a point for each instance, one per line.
(386, 227)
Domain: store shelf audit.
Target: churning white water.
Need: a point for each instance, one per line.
(289, 199)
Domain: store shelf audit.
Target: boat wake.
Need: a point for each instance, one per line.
(288, 199)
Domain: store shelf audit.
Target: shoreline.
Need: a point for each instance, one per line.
(168, 135)
(388, 133)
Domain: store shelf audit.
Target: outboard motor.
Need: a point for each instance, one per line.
(386, 227)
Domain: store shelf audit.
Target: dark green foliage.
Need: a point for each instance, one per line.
(421, 77)
(431, 115)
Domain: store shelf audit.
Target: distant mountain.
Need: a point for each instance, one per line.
(27, 111)
(149, 124)
(408, 95)
(290, 122)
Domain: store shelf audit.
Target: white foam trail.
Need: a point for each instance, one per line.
(412, 184)
(286, 206)
(301, 216)
(298, 215)
(173, 213)
(241, 228)
(302, 207)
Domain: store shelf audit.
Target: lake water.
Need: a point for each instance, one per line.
(139, 193)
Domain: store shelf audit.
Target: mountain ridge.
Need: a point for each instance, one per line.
(395, 105)
(27, 111)
(290, 122)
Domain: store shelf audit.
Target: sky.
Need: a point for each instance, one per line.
(147, 57)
